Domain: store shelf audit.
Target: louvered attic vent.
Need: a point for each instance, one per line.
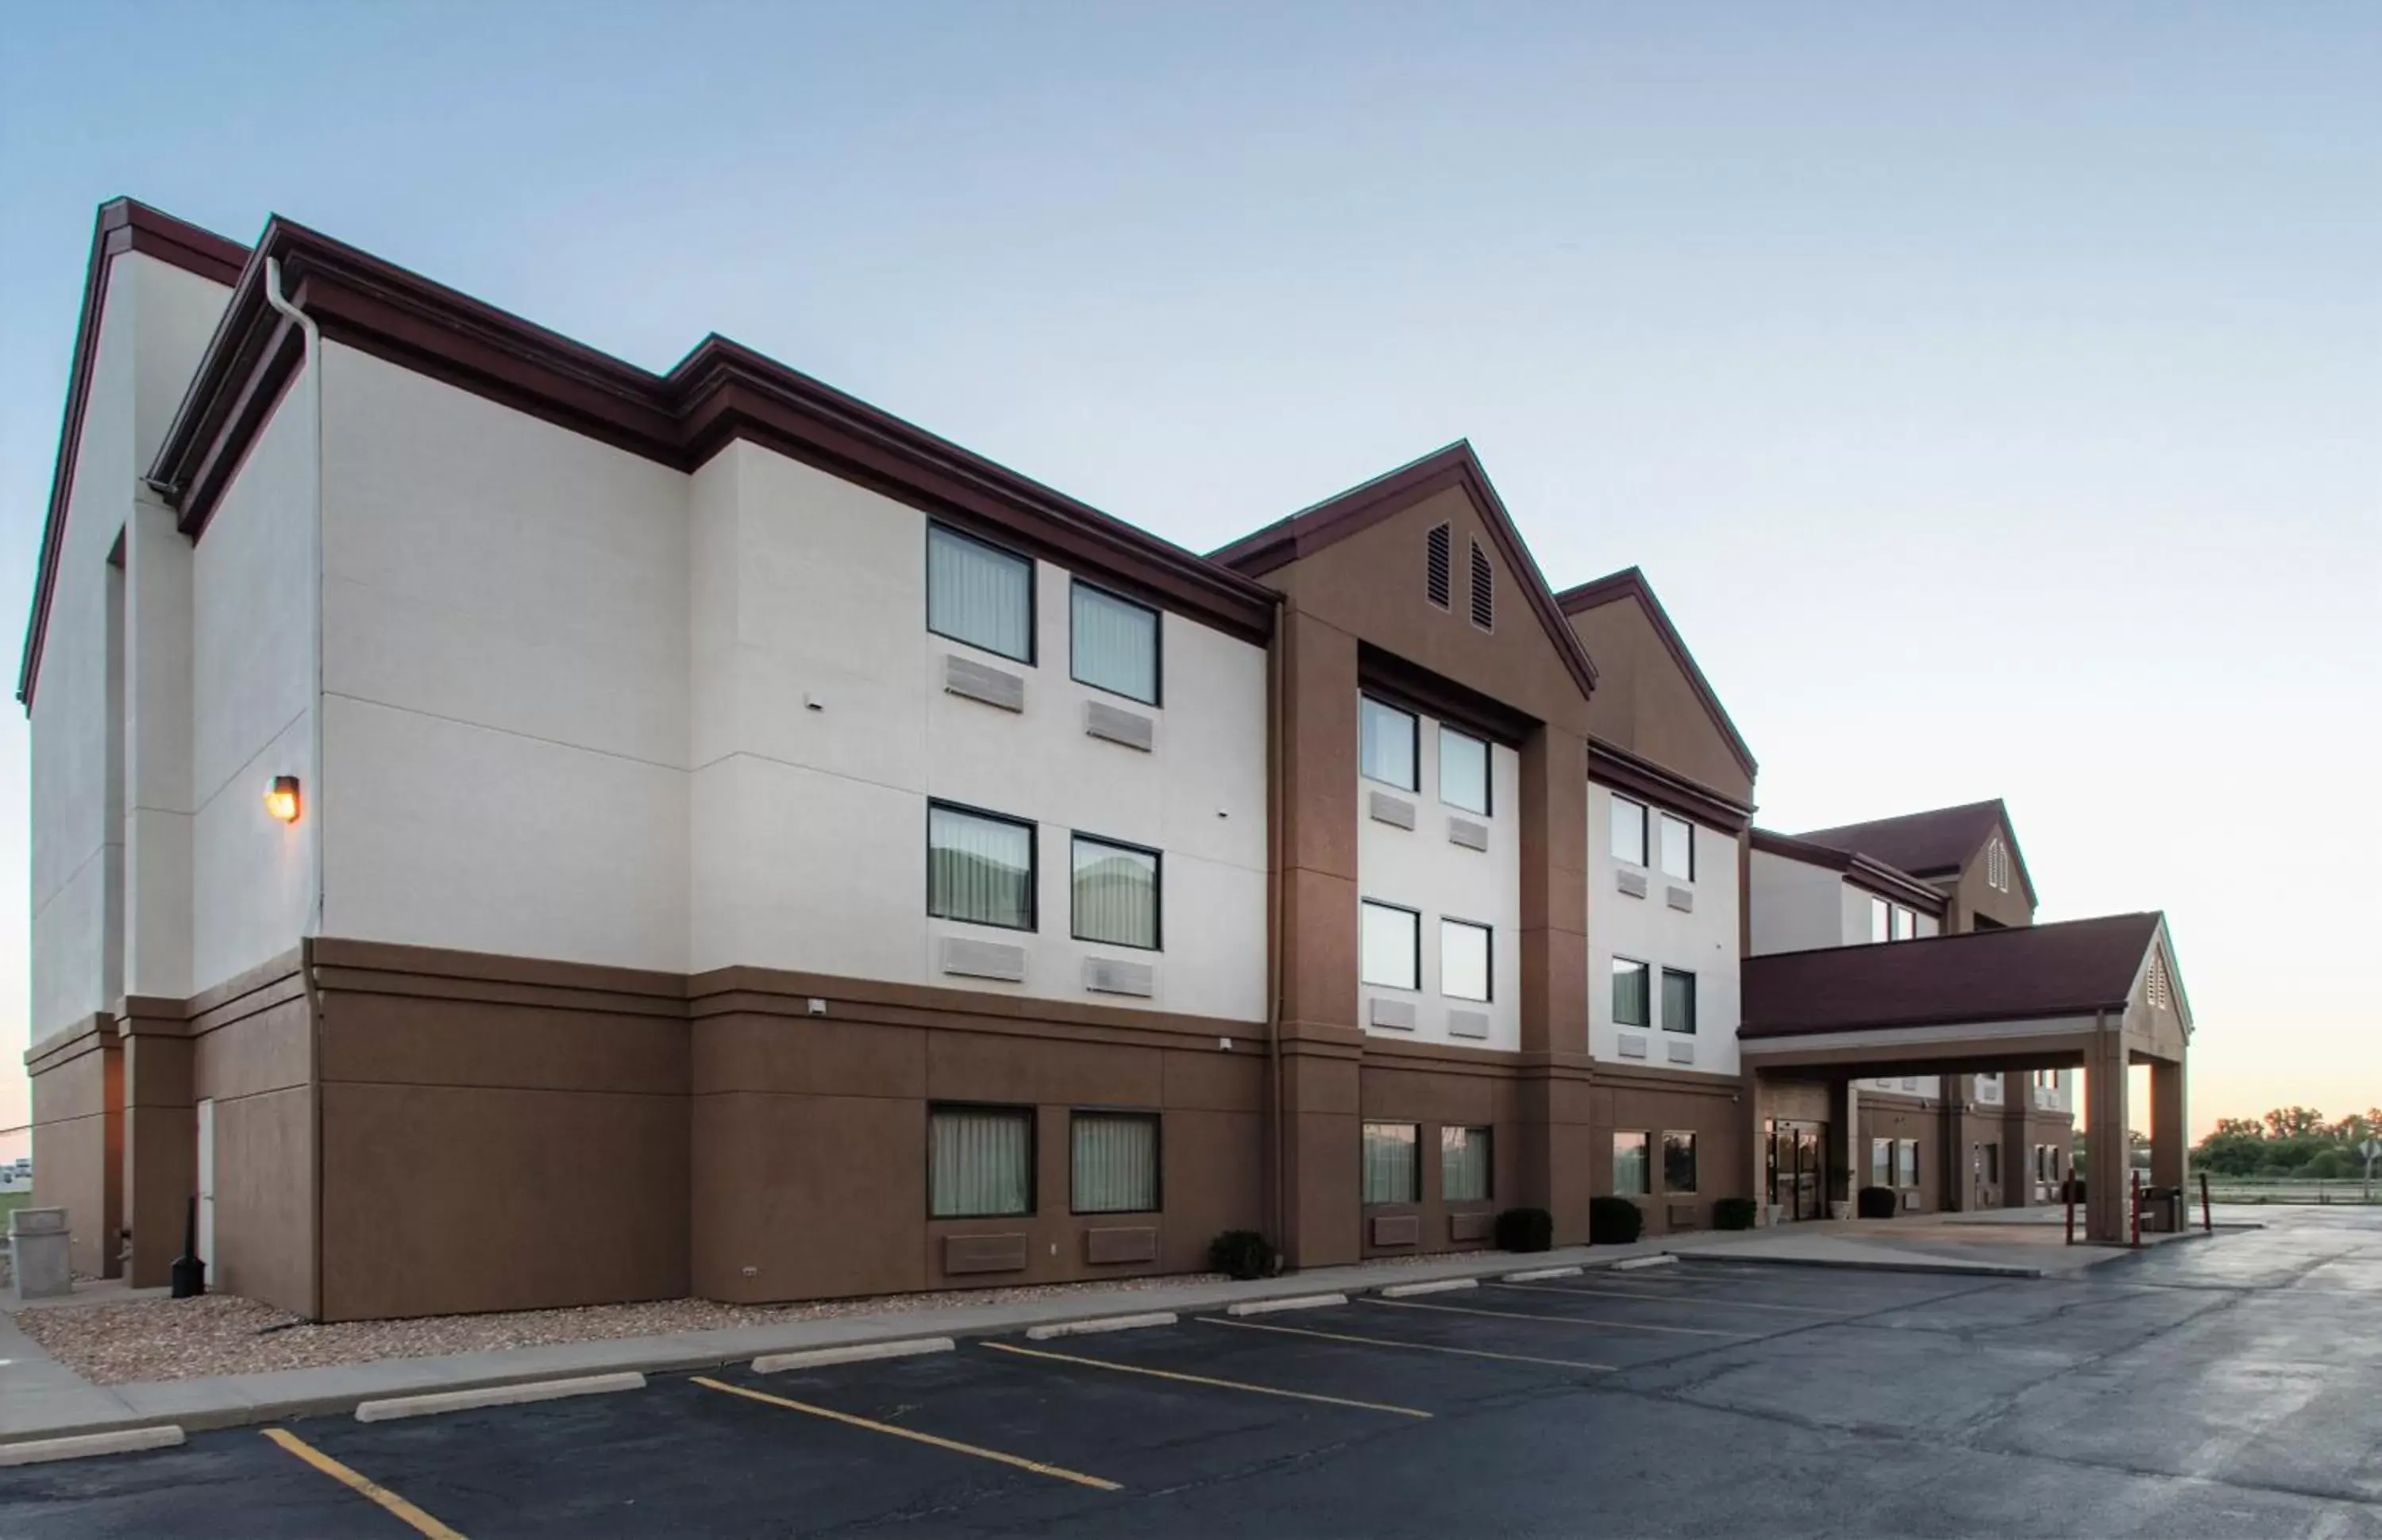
(1435, 565)
(1484, 600)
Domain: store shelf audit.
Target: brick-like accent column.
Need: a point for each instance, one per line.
(161, 1137)
(2171, 1129)
(1556, 1158)
(2105, 1218)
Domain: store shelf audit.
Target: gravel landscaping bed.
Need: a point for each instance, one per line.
(222, 1334)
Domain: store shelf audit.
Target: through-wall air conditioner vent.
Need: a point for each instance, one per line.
(1436, 564)
(983, 959)
(1386, 809)
(1631, 883)
(1679, 898)
(1129, 728)
(1633, 1045)
(978, 681)
(1682, 1052)
(1467, 1023)
(1484, 600)
(1398, 1015)
(1465, 832)
(1108, 976)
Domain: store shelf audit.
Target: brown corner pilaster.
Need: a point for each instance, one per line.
(1553, 1110)
(2105, 1218)
(160, 1166)
(2170, 1136)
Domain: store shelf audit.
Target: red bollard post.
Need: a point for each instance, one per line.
(2134, 1201)
(2072, 1210)
(2207, 1219)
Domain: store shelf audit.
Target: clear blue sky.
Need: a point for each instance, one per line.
(1994, 398)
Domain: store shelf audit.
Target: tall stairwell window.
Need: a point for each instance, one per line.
(1484, 598)
(1436, 563)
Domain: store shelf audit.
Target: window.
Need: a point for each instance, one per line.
(1113, 1162)
(1463, 1166)
(1989, 1164)
(1435, 565)
(1678, 848)
(980, 1162)
(979, 594)
(1391, 944)
(1629, 1001)
(1629, 831)
(1464, 950)
(1484, 602)
(1678, 1162)
(1678, 1001)
(1880, 919)
(1906, 924)
(1116, 890)
(1114, 643)
(979, 867)
(1881, 1163)
(1463, 771)
(1386, 745)
(1630, 1165)
(1390, 1169)
(1907, 1150)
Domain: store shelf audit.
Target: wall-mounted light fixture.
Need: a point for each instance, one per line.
(281, 799)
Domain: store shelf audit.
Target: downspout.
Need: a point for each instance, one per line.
(312, 364)
(1277, 885)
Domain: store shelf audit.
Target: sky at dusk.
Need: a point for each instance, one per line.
(1993, 398)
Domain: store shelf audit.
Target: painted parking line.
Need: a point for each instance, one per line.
(1667, 1298)
(1020, 1461)
(1203, 1379)
(1567, 1320)
(1412, 1347)
(362, 1483)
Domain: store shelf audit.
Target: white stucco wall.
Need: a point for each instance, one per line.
(1702, 941)
(821, 729)
(1422, 869)
(1797, 906)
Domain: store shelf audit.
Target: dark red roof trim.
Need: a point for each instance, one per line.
(1369, 502)
(718, 393)
(1618, 768)
(122, 225)
(1939, 842)
(1631, 583)
(1887, 881)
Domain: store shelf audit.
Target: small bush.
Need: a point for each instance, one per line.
(1733, 1214)
(2071, 1190)
(1614, 1221)
(1877, 1203)
(1240, 1253)
(1525, 1229)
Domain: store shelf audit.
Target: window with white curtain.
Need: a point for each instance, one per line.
(980, 1162)
(1906, 924)
(1678, 848)
(1881, 1163)
(1629, 1173)
(1628, 832)
(1391, 1171)
(1116, 893)
(1463, 1166)
(1389, 941)
(1114, 643)
(979, 867)
(1464, 952)
(1385, 746)
(1907, 1154)
(1463, 771)
(1678, 1001)
(979, 594)
(1115, 1162)
(1630, 996)
(1880, 919)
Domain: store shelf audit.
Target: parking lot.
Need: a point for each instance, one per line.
(2217, 1387)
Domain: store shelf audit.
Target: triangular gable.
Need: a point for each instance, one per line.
(1325, 524)
(1630, 585)
(2159, 984)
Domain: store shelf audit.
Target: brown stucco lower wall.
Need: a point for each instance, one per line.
(78, 1129)
(251, 1053)
(1432, 1095)
(1642, 1102)
(1881, 1117)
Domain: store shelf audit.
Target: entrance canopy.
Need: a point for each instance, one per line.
(2034, 996)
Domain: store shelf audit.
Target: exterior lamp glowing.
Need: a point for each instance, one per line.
(281, 799)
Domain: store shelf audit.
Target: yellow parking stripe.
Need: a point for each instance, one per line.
(1202, 1379)
(1036, 1466)
(369, 1488)
(1414, 1347)
(1567, 1320)
(1666, 1298)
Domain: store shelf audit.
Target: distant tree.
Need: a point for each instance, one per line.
(2290, 1122)
(2332, 1164)
(2248, 1128)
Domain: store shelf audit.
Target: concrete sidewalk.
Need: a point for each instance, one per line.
(42, 1399)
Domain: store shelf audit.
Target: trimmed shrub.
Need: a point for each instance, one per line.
(1733, 1214)
(1614, 1221)
(1525, 1229)
(1240, 1253)
(1877, 1203)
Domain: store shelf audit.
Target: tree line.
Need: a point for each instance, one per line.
(2288, 1142)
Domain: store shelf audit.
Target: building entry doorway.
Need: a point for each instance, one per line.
(1799, 1188)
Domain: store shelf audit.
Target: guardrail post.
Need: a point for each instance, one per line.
(2207, 1218)
(2071, 1189)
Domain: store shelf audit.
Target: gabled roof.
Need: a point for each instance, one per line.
(1928, 844)
(1336, 517)
(1860, 868)
(122, 225)
(2027, 972)
(1631, 583)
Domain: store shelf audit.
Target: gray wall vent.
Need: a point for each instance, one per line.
(1130, 728)
(1393, 1013)
(1387, 809)
(1465, 832)
(978, 681)
(983, 959)
(1109, 975)
(1631, 883)
(1467, 1023)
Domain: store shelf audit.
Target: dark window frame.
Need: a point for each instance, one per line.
(1414, 743)
(1646, 1165)
(1414, 1185)
(1033, 1158)
(1158, 891)
(1033, 595)
(1695, 1159)
(1488, 808)
(1155, 1117)
(1645, 834)
(1646, 970)
(1695, 1008)
(1416, 915)
(1686, 824)
(1157, 701)
(1489, 955)
(1488, 1132)
(1033, 866)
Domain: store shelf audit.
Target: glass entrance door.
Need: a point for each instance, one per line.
(1798, 1188)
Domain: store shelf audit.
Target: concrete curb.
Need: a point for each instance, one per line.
(1640, 1263)
(1535, 1275)
(1954, 1269)
(82, 1446)
(1101, 1323)
(1441, 1285)
(391, 1408)
(1295, 1301)
(859, 1352)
